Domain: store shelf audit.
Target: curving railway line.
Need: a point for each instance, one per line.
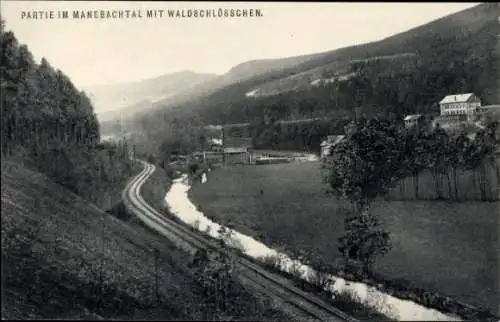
(269, 283)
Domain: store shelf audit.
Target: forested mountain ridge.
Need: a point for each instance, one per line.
(418, 41)
(453, 54)
(457, 53)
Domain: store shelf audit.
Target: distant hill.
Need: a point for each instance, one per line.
(480, 21)
(108, 99)
(467, 28)
(258, 74)
(405, 73)
(242, 72)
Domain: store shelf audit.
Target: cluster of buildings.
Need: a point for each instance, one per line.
(232, 144)
(456, 111)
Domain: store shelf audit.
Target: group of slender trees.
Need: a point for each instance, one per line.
(451, 161)
(40, 105)
(377, 154)
(52, 126)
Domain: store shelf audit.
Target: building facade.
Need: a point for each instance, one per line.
(237, 144)
(235, 156)
(460, 104)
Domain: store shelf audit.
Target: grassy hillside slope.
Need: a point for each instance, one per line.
(56, 247)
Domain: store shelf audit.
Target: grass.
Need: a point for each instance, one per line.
(440, 246)
(65, 258)
(154, 191)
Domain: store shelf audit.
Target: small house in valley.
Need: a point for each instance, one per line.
(413, 120)
(236, 143)
(237, 155)
(418, 122)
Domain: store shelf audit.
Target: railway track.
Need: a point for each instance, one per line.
(269, 283)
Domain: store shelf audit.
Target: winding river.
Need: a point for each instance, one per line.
(181, 206)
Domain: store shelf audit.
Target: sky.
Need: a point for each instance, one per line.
(106, 51)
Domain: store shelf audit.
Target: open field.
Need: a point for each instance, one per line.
(441, 246)
(56, 248)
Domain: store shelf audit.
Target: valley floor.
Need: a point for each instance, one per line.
(445, 247)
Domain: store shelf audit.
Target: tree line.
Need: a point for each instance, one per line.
(451, 160)
(376, 154)
(51, 124)
(41, 106)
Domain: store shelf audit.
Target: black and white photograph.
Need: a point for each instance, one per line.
(250, 161)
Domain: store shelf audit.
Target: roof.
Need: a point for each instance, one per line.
(457, 98)
(412, 117)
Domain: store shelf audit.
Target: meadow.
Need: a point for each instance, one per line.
(442, 246)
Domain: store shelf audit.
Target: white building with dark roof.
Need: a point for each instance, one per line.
(413, 120)
(460, 104)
